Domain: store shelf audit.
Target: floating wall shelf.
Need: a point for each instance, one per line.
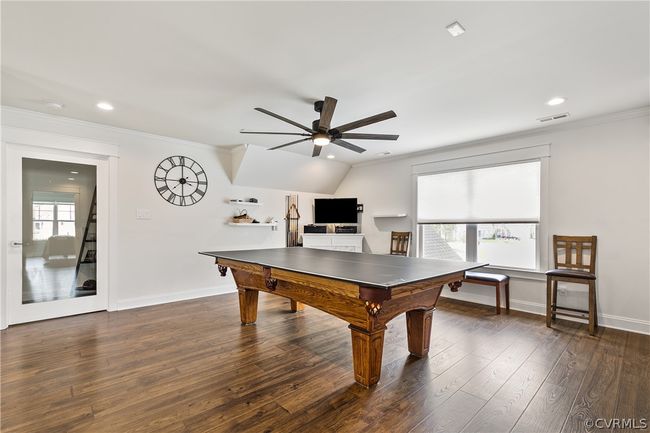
(253, 224)
(394, 215)
(244, 203)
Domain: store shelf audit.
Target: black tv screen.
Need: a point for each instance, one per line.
(335, 210)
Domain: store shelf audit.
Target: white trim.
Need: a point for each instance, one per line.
(57, 146)
(144, 301)
(113, 256)
(606, 320)
(484, 159)
(499, 139)
(3, 237)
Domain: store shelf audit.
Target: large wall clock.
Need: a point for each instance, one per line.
(180, 180)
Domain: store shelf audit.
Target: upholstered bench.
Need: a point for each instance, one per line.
(497, 280)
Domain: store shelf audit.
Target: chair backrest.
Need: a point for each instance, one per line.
(575, 252)
(399, 243)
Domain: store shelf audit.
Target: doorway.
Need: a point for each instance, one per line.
(56, 263)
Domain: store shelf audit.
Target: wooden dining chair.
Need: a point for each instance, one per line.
(399, 243)
(574, 262)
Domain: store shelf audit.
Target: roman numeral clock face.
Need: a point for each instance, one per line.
(180, 180)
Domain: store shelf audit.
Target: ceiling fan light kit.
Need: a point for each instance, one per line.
(321, 134)
(321, 139)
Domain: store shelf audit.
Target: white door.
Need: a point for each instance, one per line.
(57, 206)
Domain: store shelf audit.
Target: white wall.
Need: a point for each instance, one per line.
(597, 184)
(158, 257)
(157, 260)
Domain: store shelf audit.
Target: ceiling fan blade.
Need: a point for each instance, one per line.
(367, 121)
(284, 119)
(349, 146)
(316, 151)
(275, 133)
(357, 136)
(326, 114)
(289, 144)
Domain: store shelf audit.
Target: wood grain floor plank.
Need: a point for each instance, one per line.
(598, 394)
(485, 384)
(633, 394)
(189, 366)
(452, 415)
(548, 410)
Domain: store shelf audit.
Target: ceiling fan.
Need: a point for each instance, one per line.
(320, 132)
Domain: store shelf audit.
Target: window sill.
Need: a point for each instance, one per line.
(520, 274)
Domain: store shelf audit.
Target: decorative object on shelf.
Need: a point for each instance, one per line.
(311, 228)
(246, 202)
(292, 217)
(242, 218)
(180, 180)
(321, 134)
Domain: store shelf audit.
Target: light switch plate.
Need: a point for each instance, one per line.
(143, 214)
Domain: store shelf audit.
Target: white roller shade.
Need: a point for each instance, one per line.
(505, 193)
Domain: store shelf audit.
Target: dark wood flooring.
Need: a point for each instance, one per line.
(190, 367)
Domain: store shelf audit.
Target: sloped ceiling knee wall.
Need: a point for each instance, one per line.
(255, 166)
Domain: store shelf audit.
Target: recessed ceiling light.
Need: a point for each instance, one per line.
(330, 156)
(74, 172)
(106, 106)
(71, 178)
(556, 101)
(383, 154)
(54, 105)
(455, 29)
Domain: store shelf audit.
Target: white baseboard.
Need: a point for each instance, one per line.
(145, 301)
(606, 320)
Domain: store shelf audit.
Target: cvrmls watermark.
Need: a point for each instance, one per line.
(617, 423)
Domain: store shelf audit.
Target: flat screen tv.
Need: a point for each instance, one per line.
(335, 211)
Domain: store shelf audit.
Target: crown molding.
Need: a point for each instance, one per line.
(541, 130)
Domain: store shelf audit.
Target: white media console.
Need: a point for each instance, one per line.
(352, 242)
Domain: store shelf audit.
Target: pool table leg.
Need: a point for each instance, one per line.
(248, 306)
(367, 349)
(418, 329)
(297, 306)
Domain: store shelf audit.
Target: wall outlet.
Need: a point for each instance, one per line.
(143, 214)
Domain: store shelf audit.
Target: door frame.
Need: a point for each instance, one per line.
(46, 145)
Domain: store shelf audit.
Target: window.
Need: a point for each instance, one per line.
(484, 214)
(65, 219)
(51, 218)
(43, 220)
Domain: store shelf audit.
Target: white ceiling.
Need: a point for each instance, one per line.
(196, 70)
